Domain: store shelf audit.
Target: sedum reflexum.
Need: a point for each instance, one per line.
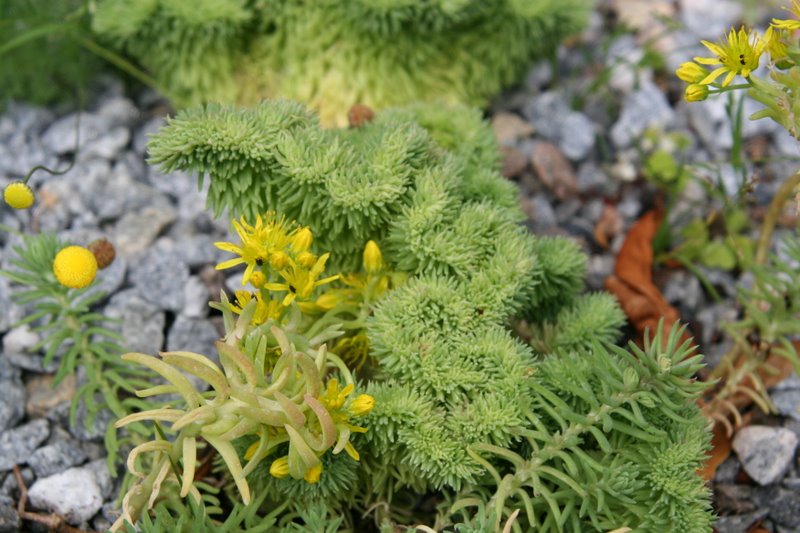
(551, 430)
(332, 54)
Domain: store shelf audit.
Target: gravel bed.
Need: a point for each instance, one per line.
(575, 147)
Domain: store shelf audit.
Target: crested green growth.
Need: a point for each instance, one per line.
(334, 54)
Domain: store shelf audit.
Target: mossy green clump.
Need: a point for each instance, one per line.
(332, 54)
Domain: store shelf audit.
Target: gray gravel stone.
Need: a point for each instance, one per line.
(683, 288)
(84, 431)
(593, 180)
(577, 136)
(73, 494)
(60, 136)
(192, 335)
(623, 57)
(17, 444)
(135, 231)
(160, 277)
(645, 108)
(99, 469)
(12, 402)
(786, 396)
(120, 110)
(141, 322)
(765, 452)
(195, 298)
(545, 112)
(708, 19)
(9, 519)
(739, 523)
(55, 458)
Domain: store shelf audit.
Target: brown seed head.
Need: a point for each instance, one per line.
(359, 115)
(103, 251)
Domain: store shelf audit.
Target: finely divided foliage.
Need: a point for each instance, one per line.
(566, 433)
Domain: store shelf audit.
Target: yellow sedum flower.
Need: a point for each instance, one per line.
(264, 310)
(696, 92)
(791, 24)
(313, 474)
(740, 55)
(260, 241)
(300, 282)
(776, 46)
(75, 267)
(18, 195)
(280, 468)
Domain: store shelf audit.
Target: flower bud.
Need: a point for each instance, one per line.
(313, 474)
(327, 301)
(373, 259)
(18, 195)
(257, 279)
(279, 260)
(279, 467)
(691, 72)
(362, 405)
(696, 92)
(302, 240)
(306, 259)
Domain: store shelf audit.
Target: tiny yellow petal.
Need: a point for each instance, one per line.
(362, 405)
(313, 474)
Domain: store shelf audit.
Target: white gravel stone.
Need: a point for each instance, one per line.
(765, 452)
(73, 494)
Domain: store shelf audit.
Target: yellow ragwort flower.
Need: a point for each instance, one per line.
(75, 267)
(696, 92)
(18, 195)
(280, 467)
(791, 24)
(300, 282)
(739, 55)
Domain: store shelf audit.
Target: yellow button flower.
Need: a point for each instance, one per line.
(75, 267)
(18, 195)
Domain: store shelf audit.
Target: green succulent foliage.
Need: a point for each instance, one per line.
(40, 60)
(75, 335)
(613, 439)
(332, 54)
(461, 406)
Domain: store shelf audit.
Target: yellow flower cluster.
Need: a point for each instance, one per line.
(739, 54)
(277, 258)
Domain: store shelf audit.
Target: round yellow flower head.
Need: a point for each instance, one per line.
(362, 404)
(75, 267)
(302, 240)
(279, 467)
(18, 195)
(373, 259)
(314, 473)
(258, 279)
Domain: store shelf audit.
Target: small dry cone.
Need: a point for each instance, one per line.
(103, 251)
(359, 115)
